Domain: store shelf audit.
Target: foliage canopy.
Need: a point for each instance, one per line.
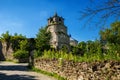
(42, 39)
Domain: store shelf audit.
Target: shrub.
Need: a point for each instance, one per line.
(20, 54)
(37, 53)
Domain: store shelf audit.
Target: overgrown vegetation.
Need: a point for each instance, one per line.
(12, 39)
(19, 44)
(87, 57)
(20, 54)
(42, 39)
(107, 48)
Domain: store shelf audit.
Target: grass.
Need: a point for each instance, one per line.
(12, 60)
(48, 73)
(87, 57)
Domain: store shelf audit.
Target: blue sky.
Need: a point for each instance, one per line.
(27, 16)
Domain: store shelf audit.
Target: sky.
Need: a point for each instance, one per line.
(26, 17)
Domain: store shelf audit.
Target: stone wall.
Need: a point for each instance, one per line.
(73, 42)
(105, 70)
(6, 51)
(59, 36)
(2, 57)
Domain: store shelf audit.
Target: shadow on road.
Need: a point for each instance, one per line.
(13, 67)
(15, 77)
(14, 70)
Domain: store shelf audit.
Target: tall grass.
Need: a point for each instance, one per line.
(87, 57)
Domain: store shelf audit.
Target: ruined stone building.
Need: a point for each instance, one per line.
(5, 51)
(59, 35)
(73, 42)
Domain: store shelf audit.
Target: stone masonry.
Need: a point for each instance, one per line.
(98, 70)
(6, 51)
(58, 31)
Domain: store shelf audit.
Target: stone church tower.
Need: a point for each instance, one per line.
(59, 36)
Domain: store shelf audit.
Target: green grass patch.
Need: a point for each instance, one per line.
(48, 73)
(12, 60)
(87, 57)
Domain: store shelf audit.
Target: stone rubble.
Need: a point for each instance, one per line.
(104, 70)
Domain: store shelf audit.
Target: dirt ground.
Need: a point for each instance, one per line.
(13, 71)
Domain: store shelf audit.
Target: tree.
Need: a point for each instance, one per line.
(77, 51)
(42, 40)
(82, 45)
(21, 54)
(15, 40)
(111, 36)
(104, 10)
(22, 48)
(6, 36)
(24, 45)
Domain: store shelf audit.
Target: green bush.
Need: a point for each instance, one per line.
(37, 53)
(20, 54)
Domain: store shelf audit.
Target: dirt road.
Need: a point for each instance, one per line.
(13, 71)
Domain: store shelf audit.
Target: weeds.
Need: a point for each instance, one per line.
(49, 74)
(87, 57)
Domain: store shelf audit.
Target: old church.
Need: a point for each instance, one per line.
(59, 37)
(59, 34)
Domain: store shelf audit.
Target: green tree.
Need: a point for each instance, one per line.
(6, 36)
(42, 39)
(15, 40)
(82, 45)
(21, 54)
(24, 45)
(111, 36)
(76, 50)
(80, 49)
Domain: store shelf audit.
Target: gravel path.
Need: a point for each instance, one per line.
(13, 71)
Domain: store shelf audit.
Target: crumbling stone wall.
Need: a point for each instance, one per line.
(105, 70)
(59, 35)
(6, 51)
(2, 57)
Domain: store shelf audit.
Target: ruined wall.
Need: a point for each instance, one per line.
(105, 70)
(59, 36)
(2, 57)
(6, 51)
(73, 42)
